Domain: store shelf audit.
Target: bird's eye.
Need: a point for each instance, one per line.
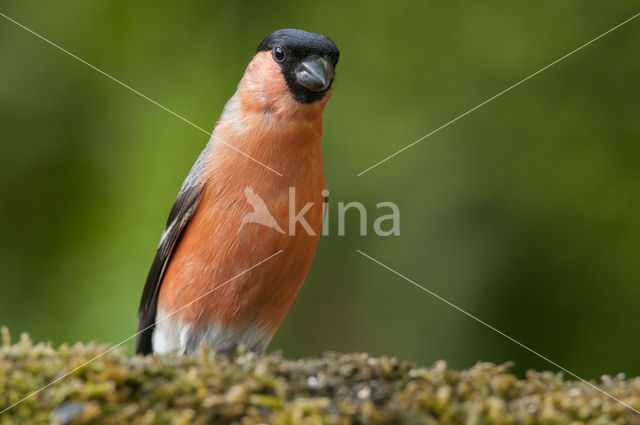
(279, 54)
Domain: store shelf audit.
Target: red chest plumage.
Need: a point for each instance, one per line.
(216, 246)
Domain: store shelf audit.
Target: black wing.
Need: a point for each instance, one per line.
(181, 212)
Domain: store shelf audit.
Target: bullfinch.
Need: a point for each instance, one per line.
(208, 246)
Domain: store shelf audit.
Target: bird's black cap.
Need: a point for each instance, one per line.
(301, 42)
(307, 61)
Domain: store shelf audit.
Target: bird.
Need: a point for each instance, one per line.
(222, 280)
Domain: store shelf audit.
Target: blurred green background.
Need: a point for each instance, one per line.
(525, 212)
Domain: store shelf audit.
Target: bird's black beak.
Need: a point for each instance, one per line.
(314, 73)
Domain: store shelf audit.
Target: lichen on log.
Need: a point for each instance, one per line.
(249, 389)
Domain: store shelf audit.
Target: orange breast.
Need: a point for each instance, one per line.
(213, 250)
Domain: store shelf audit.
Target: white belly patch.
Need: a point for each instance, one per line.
(173, 335)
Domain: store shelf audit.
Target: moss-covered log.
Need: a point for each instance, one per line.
(249, 389)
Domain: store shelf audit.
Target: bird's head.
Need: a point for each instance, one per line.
(292, 67)
(306, 61)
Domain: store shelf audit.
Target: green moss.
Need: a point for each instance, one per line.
(248, 389)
